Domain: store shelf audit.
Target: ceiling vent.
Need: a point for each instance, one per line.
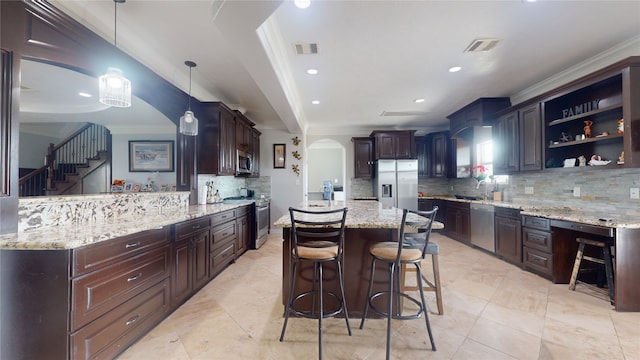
(479, 45)
(306, 49)
(403, 113)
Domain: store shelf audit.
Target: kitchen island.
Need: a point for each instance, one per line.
(367, 222)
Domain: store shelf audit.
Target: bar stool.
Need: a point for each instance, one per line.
(606, 261)
(410, 249)
(317, 237)
(432, 249)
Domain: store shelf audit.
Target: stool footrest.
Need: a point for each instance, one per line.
(312, 314)
(398, 315)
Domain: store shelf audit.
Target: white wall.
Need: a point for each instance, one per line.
(286, 186)
(120, 159)
(33, 149)
(324, 164)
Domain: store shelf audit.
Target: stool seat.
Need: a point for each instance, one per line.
(606, 261)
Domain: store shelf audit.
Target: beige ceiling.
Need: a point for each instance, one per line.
(373, 56)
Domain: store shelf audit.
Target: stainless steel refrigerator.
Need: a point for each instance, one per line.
(396, 183)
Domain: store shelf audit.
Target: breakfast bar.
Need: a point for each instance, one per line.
(367, 222)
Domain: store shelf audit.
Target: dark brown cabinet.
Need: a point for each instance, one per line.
(508, 235)
(224, 232)
(191, 258)
(255, 160)
(440, 144)
(506, 144)
(481, 112)
(363, 157)
(243, 223)
(217, 140)
(457, 221)
(244, 133)
(396, 144)
(423, 153)
(517, 139)
(428, 204)
(537, 244)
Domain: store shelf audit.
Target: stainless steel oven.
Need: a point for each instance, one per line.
(262, 222)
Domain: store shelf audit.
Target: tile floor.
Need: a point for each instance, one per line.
(493, 310)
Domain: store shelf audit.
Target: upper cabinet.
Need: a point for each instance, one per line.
(441, 161)
(244, 133)
(363, 157)
(255, 167)
(481, 112)
(517, 140)
(423, 152)
(217, 140)
(394, 144)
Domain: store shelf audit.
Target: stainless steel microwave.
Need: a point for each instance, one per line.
(243, 163)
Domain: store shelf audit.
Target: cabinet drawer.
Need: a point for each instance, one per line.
(116, 330)
(507, 213)
(191, 226)
(223, 233)
(537, 239)
(243, 210)
(99, 292)
(108, 252)
(536, 222)
(222, 217)
(221, 257)
(537, 260)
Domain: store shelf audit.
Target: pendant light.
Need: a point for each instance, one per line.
(188, 121)
(114, 88)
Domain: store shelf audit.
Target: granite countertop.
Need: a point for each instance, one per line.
(592, 216)
(87, 233)
(361, 214)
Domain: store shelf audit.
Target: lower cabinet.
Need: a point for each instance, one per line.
(428, 204)
(457, 221)
(191, 255)
(118, 298)
(508, 235)
(93, 302)
(243, 224)
(224, 232)
(537, 246)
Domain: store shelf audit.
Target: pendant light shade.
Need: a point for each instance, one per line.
(188, 121)
(113, 88)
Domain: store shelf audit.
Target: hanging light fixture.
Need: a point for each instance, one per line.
(188, 121)
(114, 89)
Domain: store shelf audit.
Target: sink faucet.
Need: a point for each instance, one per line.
(483, 181)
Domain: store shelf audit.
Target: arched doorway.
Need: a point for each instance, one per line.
(326, 161)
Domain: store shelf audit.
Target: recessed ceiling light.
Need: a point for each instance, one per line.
(315, 102)
(312, 71)
(455, 69)
(84, 94)
(418, 100)
(302, 4)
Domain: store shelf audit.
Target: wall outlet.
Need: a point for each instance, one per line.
(528, 190)
(634, 193)
(576, 191)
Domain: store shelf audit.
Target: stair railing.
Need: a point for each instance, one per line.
(76, 149)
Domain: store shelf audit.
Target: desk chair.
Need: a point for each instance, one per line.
(410, 249)
(317, 237)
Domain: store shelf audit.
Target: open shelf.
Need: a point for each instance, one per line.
(585, 141)
(584, 115)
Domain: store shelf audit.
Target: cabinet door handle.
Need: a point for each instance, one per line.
(132, 320)
(194, 227)
(134, 277)
(130, 245)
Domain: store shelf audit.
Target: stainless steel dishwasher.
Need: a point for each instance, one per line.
(482, 226)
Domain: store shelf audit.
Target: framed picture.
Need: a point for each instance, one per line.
(150, 155)
(128, 187)
(136, 187)
(279, 155)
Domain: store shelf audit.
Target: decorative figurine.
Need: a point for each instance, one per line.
(582, 160)
(620, 126)
(621, 158)
(565, 137)
(597, 160)
(587, 128)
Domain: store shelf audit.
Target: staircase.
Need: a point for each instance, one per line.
(80, 164)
